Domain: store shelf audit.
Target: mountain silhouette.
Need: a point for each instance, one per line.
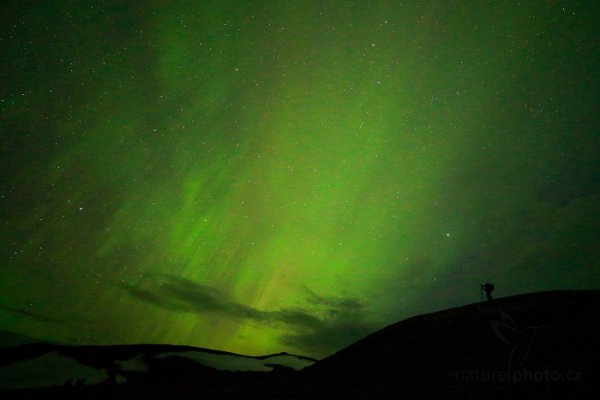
(535, 346)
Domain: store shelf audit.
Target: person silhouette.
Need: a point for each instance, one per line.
(488, 288)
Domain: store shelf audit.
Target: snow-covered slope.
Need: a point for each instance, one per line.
(50, 369)
(232, 362)
(45, 365)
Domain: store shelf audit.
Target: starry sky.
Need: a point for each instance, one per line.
(264, 176)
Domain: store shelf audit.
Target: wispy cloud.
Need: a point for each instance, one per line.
(345, 321)
(28, 314)
(327, 325)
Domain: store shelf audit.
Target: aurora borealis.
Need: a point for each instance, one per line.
(261, 176)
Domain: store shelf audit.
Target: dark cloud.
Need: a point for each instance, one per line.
(333, 302)
(345, 321)
(27, 313)
(331, 336)
(297, 318)
(335, 322)
(154, 298)
(180, 294)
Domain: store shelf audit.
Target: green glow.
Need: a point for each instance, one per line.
(353, 162)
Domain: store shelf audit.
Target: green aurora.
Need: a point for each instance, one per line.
(260, 176)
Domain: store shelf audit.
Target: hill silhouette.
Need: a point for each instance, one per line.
(539, 345)
(535, 345)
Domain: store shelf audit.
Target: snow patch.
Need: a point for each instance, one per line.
(230, 362)
(223, 362)
(134, 364)
(51, 369)
(289, 361)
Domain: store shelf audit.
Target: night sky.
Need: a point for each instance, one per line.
(264, 176)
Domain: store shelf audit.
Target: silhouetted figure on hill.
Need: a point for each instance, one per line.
(488, 288)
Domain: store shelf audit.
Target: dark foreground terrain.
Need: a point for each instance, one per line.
(532, 346)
